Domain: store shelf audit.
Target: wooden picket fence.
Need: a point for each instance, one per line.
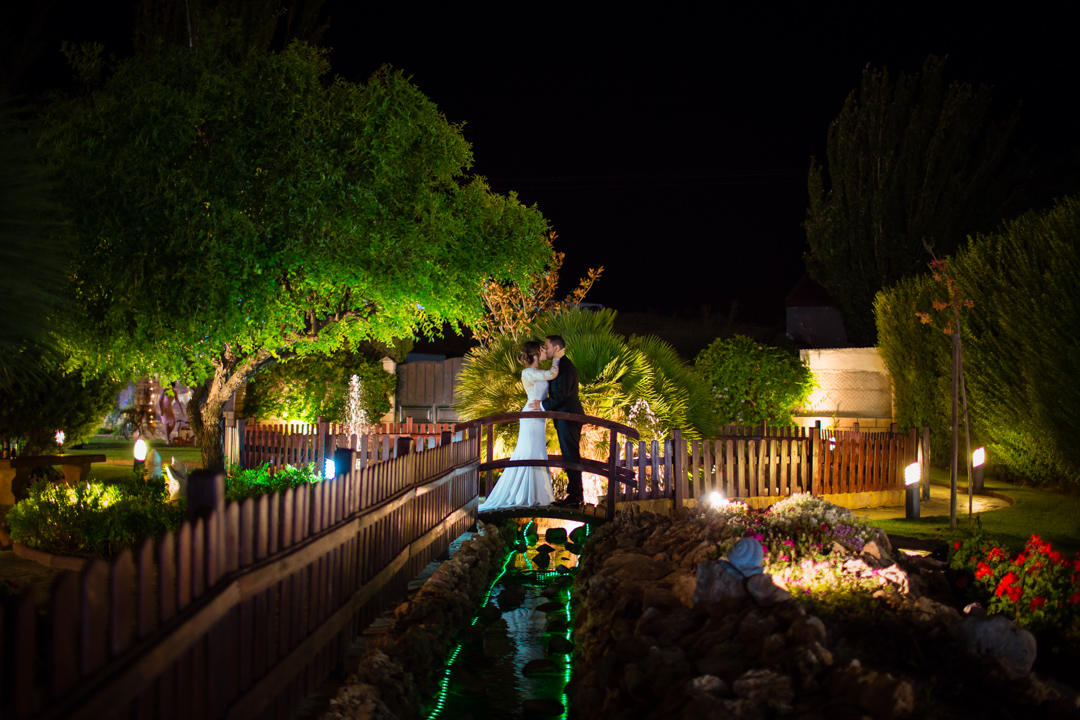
(281, 445)
(244, 610)
(757, 461)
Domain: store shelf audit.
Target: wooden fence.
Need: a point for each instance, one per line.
(244, 610)
(769, 462)
(280, 445)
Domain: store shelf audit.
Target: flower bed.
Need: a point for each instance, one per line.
(1038, 587)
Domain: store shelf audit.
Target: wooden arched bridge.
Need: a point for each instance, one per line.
(621, 479)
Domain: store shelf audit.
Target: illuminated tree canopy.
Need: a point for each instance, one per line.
(235, 210)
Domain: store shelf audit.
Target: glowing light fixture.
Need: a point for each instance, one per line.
(329, 470)
(59, 437)
(912, 474)
(140, 450)
(978, 457)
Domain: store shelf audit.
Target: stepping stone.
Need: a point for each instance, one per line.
(489, 613)
(550, 607)
(549, 592)
(510, 597)
(542, 560)
(559, 645)
(545, 549)
(562, 569)
(555, 535)
(556, 625)
(539, 666)
(578, 535)
(574, 548)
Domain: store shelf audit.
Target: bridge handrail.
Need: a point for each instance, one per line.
(572, 417)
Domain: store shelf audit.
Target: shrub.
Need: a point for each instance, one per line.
(241, 484)
(95, 519)
(753, 383)
(1019, 352)
(1039, 587)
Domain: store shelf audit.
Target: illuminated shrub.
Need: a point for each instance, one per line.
(241, 484)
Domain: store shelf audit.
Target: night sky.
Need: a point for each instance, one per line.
(671, 145)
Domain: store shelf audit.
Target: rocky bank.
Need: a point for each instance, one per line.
(661, 631)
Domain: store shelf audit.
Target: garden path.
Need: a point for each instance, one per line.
(938, 504)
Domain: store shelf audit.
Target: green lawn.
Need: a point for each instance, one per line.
(117, 448)
(1053, 515)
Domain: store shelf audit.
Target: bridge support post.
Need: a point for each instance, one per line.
(613, 477)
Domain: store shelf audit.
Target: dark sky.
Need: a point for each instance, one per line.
(671, 145)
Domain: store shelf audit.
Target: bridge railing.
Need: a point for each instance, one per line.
(608, 469)
(248, 607)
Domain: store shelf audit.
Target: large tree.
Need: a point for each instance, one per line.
(913, 164)
(237, 208)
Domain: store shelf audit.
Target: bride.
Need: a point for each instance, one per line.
(527, 486)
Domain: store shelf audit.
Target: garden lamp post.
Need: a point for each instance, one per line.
(140, 454)
(912, 475)
(978, 465)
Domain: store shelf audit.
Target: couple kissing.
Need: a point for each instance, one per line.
(554, 390)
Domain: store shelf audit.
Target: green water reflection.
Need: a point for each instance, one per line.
(512, 662)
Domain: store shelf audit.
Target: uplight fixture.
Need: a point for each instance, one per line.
(912, 475)
(329, 470)
(140, 454)
(978, 466)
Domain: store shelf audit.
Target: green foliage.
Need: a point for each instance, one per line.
(318, 385)
(753, 383)
(1019, 345)
(641, 382)
(242, 484)
(34, 409)
(305, 211)
(911, 163)
(32, 252)
(1039, 587)
(93, 520)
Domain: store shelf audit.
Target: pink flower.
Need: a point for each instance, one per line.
(759, 537)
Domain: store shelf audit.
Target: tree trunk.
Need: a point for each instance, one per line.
(955, 428)
(205, 412)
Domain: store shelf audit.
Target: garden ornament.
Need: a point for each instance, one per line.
(177, 475)
(745, 558)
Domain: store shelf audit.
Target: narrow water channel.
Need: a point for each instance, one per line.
(514, 660)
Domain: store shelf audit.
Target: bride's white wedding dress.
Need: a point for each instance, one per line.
(527, 486)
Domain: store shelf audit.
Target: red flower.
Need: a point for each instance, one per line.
(956, 545)
(1005, 586)
(1037, 602)
(1021, 559)
(982, 571)
(1014, 593)
(1074, 599)
(996, 554)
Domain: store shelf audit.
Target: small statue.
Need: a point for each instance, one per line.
(745, 558)
(177, 480)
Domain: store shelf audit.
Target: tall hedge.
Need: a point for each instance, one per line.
(1021, 345)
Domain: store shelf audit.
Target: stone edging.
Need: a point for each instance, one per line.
(59, 562)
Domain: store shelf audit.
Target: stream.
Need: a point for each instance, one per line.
(514, 660)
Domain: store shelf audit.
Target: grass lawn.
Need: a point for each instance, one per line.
(1054, 516)
(117, 448)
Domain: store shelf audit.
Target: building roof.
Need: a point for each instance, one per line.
(808, 293)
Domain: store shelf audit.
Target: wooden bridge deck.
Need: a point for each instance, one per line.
(591, 514)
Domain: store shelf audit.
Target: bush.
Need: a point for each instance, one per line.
(1039, 588)
(641, 382)
(753, 383)
(242, 484)
(95, 519)
(1020, 357)
(311, 386)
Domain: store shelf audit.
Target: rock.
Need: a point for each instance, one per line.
(720, 665)
(549, 592)
(557, 625)
(510, 597)
(885, 697)
(550, 607)
(873, 553)
(538, 666)
(559, 645)
(716, 587)
(541, 560)
(542, 707)
(765, 687)
(545, 549)
(657, 597)
(574, 548)
(754, 627)
(683, 588)
(630, 566)
(745, 558)
(806, 630)
(895, 575)
(1001, 639)
(555, 535)
(667, 625)
(562, 569)
(489, 613)
(5, 538)
(764, 590)
(708, 684)
(578, 535)
(838, 549)
(975, 610)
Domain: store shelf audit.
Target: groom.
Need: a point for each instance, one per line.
(563, 397)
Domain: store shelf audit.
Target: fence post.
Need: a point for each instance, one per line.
(613, 477)
(678, 451)
(403, 446)
(813, 478)
(241, 442)
(206, 493)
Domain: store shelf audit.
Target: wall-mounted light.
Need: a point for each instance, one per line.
(329, 469)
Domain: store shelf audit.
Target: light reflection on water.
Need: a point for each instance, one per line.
(484, 677)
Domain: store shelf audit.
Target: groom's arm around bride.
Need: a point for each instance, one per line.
(563, 397)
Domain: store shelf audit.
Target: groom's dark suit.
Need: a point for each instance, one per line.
(563, 397)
